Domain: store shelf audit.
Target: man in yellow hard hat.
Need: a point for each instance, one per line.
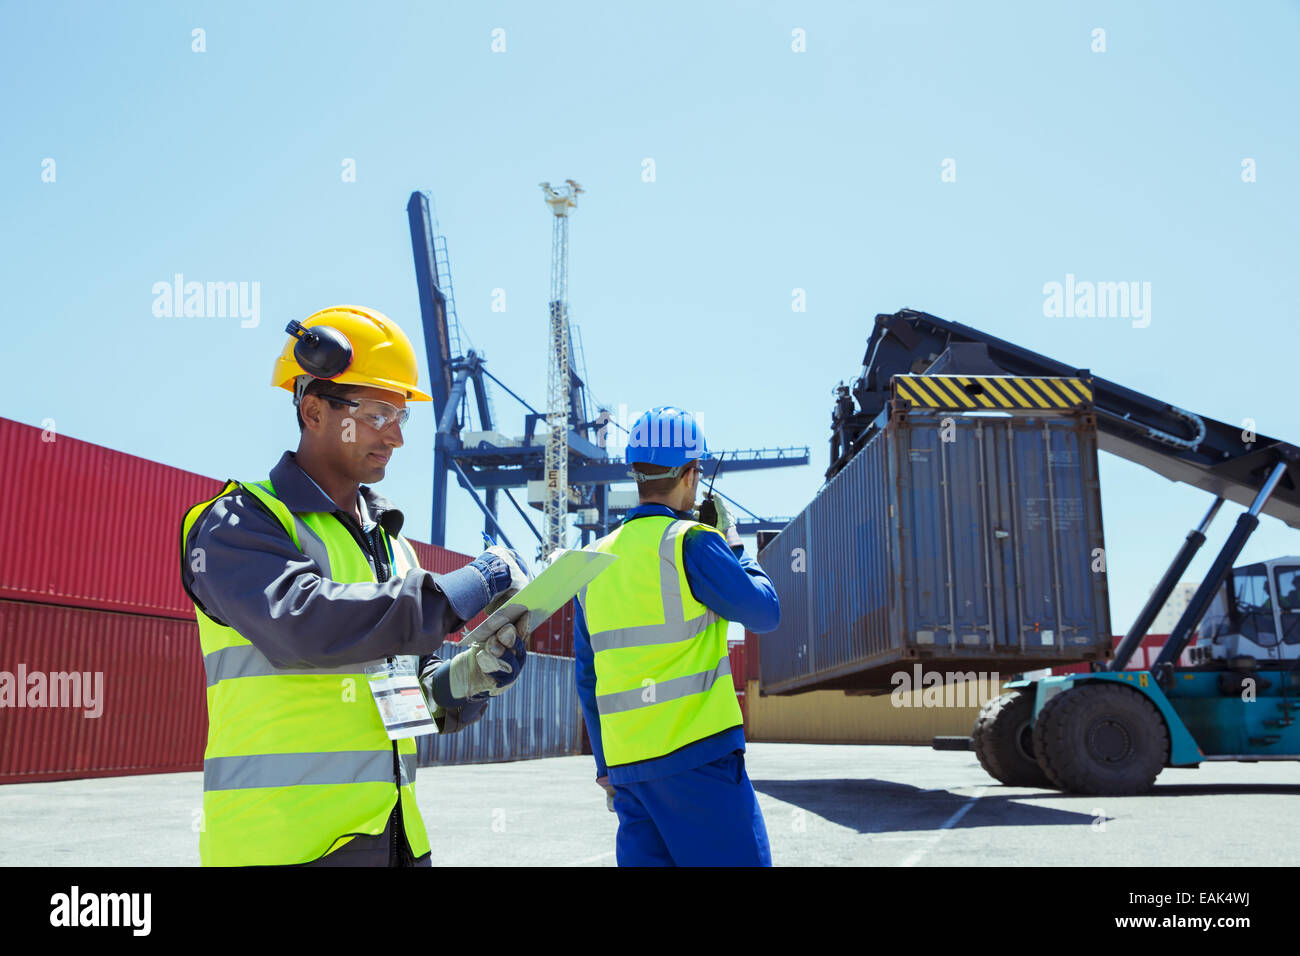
(319, 629)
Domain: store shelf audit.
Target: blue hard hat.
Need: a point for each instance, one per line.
(667, 436)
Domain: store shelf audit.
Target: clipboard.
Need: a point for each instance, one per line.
(559, 582)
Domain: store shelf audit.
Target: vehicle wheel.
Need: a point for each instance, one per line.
(1101, 738)
(1003, 740)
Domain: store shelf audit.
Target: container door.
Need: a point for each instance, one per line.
(970, 539)
(1047, 537)
(923, 505)
(945, 530)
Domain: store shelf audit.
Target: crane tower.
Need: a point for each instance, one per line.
(557, 392)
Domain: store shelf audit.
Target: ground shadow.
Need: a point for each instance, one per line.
(1194, 790)
(883, 806)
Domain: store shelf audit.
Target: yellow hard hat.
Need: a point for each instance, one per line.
(365, 345)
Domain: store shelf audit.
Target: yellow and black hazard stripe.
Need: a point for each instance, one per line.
(993, 392)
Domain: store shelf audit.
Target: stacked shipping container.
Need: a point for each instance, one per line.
(119, 693)
(89, 585)
(736, 653)
(538, 717)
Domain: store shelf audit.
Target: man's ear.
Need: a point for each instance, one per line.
(316, 409)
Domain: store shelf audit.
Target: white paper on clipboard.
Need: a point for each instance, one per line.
(568, 574)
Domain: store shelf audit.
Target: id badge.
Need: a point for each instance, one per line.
(395, 685)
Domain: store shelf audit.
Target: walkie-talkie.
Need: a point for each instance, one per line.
(708, 509)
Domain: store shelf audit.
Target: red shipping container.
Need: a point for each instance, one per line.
(138, 704)
(126, 557)
(111, 606)
(441, 561)
(1142, 658)
(736, 652)
(96, 546)
(751, 655)
(555, 635)
(739, 658)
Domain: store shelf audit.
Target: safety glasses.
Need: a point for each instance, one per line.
(373, 412)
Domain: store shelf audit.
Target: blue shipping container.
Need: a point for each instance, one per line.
(950, 541)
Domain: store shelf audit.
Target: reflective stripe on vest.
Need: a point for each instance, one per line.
(293, 770)
(661, 661)
(245, 660)
(297, 761)
(664, 690)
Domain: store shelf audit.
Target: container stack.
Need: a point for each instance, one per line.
(100, 668)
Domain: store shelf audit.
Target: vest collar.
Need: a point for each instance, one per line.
(641, 511)
(296, 489)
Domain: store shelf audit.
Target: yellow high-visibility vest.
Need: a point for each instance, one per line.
(663, 676)
(297, 760)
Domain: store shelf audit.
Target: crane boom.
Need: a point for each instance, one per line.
(1173, 442)
(557, 393)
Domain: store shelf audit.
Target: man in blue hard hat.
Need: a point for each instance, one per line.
(653, 672)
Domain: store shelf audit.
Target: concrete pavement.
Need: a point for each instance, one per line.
(825, 805)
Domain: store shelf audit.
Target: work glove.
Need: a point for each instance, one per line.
(519, 574)
(726, 523)
(488, 667)
(609, 792)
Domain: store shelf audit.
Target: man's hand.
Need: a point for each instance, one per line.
(609, 792)
(489, 667)
(503, 654)
(520, 575)
(726, 522)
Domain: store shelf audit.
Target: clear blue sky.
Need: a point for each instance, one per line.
(775, 170)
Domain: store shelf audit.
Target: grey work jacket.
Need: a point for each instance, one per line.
(256, 581)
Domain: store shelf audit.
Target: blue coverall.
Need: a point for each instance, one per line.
(694, 806)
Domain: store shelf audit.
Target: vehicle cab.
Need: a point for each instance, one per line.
(1256, 613)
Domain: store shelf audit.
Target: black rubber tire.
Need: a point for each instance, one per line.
(1101, 738)
(1002, 740)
